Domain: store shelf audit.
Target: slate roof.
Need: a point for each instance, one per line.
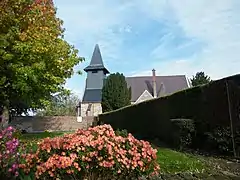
(165, 85)
(92, 96)
(96, 61)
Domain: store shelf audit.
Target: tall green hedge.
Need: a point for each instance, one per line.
(207, 105)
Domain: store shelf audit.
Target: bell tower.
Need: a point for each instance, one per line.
(96, 73)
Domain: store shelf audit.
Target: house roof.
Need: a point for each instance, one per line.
(165, 85)
(92, 96)
(96, 61)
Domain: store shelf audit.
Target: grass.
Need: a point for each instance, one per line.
(171, 161)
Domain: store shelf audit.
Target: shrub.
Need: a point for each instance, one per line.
(17, 134)
(220, 138)
(9, 156)
(183, 130)
(97, 152)
(122, 133)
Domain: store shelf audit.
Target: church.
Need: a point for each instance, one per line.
(143, 87)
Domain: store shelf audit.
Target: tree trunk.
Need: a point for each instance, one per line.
(4, 117)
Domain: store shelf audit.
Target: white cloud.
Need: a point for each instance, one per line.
(162, 69)
(216, 23)
(126, 28)
(91, 22)
(88, 23)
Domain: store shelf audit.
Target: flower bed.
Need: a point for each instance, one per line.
(9, 156)
(97, 152)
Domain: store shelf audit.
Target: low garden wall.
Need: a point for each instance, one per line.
(51, 123)
(213, 108)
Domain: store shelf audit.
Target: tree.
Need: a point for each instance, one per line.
(35, 60)
(200, 78)
(62, 104)
(115, 93)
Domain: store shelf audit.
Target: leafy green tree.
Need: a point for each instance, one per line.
(115, 93)
(35, 60)
(62, 104)
(200, 78)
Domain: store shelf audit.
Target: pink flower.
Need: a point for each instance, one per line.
(94, 147)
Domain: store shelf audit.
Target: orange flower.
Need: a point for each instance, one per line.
(98, 145)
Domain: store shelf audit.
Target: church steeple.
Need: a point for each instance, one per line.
(96, 73)
(96, 61)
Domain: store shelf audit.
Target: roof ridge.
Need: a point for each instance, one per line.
(156, 76)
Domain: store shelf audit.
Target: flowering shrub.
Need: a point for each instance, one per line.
(9, 156)
(96, 152)
(122, 133)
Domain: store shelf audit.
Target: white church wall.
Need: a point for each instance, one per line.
(96, 109)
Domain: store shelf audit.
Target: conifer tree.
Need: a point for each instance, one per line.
(200, 78)
(115, 93)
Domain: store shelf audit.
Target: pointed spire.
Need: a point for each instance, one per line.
(96, 61)
(96, 57)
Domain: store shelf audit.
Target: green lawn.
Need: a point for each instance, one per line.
(170, 161)
(173, 162)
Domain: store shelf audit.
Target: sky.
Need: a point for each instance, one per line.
(175, 37)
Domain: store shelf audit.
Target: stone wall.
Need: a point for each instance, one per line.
(52, 123)
(95, 109)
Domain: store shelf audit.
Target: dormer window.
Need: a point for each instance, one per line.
(95, 71)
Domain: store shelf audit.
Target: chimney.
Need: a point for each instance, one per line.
(154, 83)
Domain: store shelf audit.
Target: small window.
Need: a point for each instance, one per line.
(95, 71)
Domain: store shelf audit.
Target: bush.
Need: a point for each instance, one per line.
(207, 105)
(17, 134)
(183, 130)
(122, 133)
(96, 152)
(9, 156)
(221, 139)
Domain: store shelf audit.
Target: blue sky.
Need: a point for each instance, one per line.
(172, 36)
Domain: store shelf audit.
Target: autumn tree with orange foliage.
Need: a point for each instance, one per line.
(35, 60)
